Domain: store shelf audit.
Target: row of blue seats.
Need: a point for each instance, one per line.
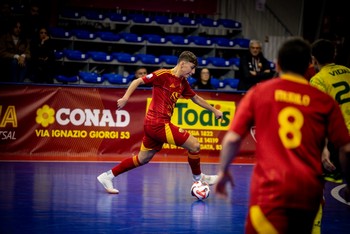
(93, 77)
(123, 57)
(158, 19)
(112, 78)
(150, 38)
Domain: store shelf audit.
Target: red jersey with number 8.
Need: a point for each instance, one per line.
(292, 120)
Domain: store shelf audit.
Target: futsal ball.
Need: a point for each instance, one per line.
(200, 190)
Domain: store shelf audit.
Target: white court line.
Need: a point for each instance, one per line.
(335, 193)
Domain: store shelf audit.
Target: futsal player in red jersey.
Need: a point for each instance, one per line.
(292, 121)
(168, 86)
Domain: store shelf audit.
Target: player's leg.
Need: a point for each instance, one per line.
(193, 147)
(125, 165)
(335, 175)
(149, 148)
(272, 220)
(258, 222)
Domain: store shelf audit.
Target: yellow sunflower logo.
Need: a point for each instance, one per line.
(45, 116)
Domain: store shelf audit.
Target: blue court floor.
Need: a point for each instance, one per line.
(65, 197)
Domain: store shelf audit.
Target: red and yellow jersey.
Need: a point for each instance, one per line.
(292, 120)
(167, 89)
(335, 80)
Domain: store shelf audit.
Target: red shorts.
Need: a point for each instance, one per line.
(156, 135)
(279, 220)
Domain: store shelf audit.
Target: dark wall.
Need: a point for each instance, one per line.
(172, 6)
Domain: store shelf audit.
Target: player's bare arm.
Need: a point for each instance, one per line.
(231, 143)
(134, 84)
(203, 103)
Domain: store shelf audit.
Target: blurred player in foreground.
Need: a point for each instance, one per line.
(168, 86)
(292, 121)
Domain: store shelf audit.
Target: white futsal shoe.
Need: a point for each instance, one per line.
(209, 179)
(106, 180)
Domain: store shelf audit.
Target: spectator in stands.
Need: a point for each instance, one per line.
(204, 80)
(14, 53)
(43, 57)
(140, 72)
(254, 67)
(32, 21)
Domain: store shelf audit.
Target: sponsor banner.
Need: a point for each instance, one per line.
(83, 123)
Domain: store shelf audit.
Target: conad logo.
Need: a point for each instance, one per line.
(45, 116)
(79, 117)
(188, 115)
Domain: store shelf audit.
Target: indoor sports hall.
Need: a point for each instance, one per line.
(57, 135)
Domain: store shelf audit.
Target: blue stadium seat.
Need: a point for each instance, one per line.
(228, 23)
(177, 39)
(116, 17)
(235, 61)
(186, 21)
(124, 57)
(232, 82)
(222, 41)
(199, 40)
(130, 77)
(208, 22)
(148, 58)
(153, 38)
(162, 19)
(191, 80)
(94, 15)
(202, 61)
(60, 33)
(108, 36)
(67, 79)
(115, 78)
(219, 62)
(140, 18)
(83, 34)
(91, 77)
(169, 59)
(216, 83)
(75, 55)
(131, 37)
(242, 42)
(100, 56)
(58, 54)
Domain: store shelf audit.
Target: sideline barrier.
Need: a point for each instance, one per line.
(68, 123)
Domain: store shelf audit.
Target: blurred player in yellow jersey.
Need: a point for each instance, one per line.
(335, 80)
